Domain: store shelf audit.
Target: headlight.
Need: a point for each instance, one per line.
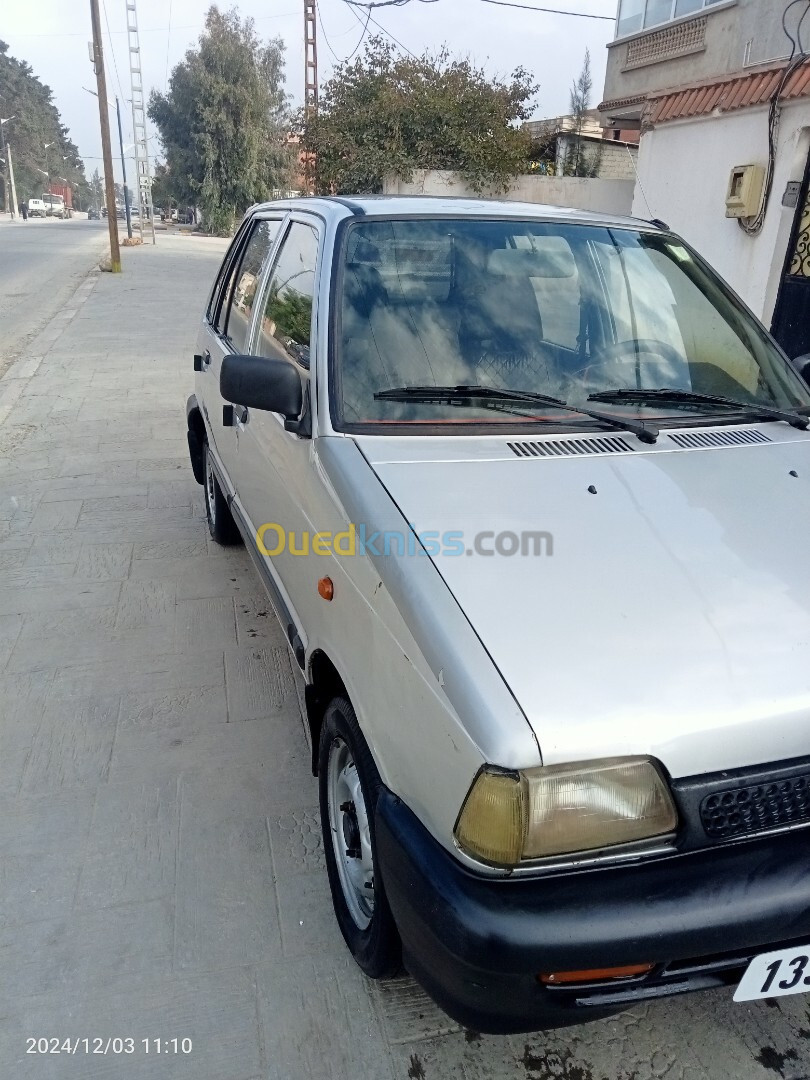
(513, 817)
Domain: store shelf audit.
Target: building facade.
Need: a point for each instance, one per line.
(605, 154)
(720, 92)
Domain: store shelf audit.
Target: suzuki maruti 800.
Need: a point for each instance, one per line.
(527, 488)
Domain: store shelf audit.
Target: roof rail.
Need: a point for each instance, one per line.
(355, 208)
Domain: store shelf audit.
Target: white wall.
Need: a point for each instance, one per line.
(602, 196)
(684, 169)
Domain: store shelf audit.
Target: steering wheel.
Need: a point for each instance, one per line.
(621, 365)
(633, 348)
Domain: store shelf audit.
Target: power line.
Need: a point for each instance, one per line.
(325, 37)
(369, 6)
(550, 11)
(152, 29)
(168, 42)
(362, 37)
(346, 59)
(379, 25)
(112, 50)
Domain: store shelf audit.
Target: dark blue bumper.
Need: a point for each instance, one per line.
(477, 944)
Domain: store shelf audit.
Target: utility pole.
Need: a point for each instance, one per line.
(123, 168)
(12, 207)
(10, 166)
(310, 83)
(106, 148)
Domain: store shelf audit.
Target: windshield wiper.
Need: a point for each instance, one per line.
(687, 397)
(489, 396)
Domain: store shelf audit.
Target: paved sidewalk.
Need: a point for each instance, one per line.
(161, 870)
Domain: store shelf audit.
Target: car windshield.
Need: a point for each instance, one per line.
(568, 311)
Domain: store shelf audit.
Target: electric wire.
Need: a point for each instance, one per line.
(168, 43)
(380, 26)
(112, 50)
(369, 6)
(753, 226)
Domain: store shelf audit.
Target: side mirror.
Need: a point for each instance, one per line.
(261, 382)
(803, 364)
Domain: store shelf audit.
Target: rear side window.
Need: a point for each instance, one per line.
(286, 325)
(237, 307)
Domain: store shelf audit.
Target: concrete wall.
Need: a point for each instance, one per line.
(728, 29)
(684, 170)
(603, 196)
(618, 161)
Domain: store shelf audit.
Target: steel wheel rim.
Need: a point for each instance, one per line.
(350, 833)
(210, 493)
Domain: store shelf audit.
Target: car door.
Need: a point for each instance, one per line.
(274, 471)
(227, 327)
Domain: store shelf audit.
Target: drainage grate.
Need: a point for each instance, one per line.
(569, 447)
(694, 440)
(758, 807)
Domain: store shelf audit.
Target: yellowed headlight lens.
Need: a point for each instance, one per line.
(564, 809)
(595, 804)
(492, 823)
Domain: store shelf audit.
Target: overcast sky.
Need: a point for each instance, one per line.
(52, 35)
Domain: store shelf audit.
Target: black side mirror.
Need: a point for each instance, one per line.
(262, 382)
(803, 364)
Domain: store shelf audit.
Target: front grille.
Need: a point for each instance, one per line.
(738, 811)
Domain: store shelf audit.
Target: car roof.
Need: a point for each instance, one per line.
(340, 206)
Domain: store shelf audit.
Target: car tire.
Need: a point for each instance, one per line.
(349, 786)
(221, 525)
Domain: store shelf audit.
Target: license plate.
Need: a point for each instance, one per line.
(776, 974)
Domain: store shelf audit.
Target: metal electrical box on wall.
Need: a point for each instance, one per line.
(744, 195)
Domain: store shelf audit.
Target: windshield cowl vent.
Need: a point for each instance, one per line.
(696, 440)
(569, 447)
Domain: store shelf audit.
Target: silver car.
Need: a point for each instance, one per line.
(525, 487)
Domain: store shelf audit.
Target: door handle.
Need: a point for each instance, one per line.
(206, 358)
(202, 361)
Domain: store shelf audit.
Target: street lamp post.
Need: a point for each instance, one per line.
(127, 200)
(123, 169)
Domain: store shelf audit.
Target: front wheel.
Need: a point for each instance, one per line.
(349, 785)
(221, 525)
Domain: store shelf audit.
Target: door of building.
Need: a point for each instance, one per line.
(791, 320)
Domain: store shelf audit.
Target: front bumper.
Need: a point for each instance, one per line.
(477, 944)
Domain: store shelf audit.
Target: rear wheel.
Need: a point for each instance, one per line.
(221, 525)
(349, 785)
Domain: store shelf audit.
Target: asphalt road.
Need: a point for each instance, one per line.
(42, 261)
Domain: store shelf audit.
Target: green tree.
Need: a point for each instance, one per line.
(222, 121)
(40, 143)
(578, 161)
(388, 113)
(162, 190)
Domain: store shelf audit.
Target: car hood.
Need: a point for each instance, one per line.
(671, 616)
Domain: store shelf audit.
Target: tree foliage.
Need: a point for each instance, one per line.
(388, 113)
(222, 121)
(36, 123)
